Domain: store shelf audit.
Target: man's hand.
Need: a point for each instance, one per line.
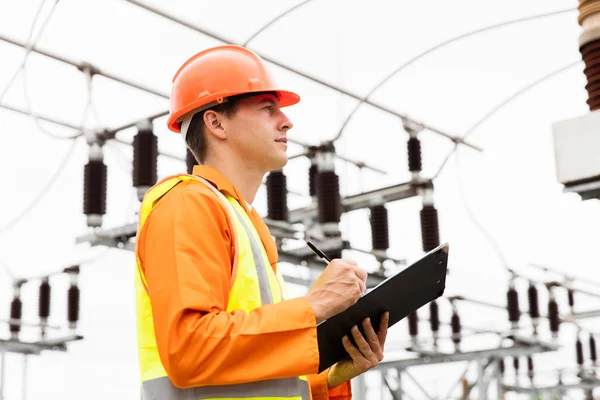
(340, 285)
(362, 358)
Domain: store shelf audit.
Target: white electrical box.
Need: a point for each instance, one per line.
(577, 153)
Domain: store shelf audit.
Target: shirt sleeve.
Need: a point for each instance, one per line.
(319, 389)
(185, 250)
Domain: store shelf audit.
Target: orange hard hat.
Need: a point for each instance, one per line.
(212, 75)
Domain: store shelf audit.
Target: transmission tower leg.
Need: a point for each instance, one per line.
(24, 391)
(481, 384)
(2, 375)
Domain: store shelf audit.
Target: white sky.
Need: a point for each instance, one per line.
(511, 187)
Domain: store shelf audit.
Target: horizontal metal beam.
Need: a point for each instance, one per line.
(381, 107)
(501, 352)
(583, 315)
(82, 66)
(57, 344)
(557, 388)
(361, 200)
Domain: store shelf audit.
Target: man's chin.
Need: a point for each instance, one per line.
(279, 163)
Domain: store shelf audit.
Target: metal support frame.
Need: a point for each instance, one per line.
(56, 344)
(487, 364)
(518, 349)
(542, 389)
(361, 200)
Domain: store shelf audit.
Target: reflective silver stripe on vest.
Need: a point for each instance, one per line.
(261, 269)
(163, 389)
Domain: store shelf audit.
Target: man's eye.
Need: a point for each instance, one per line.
(269, 108)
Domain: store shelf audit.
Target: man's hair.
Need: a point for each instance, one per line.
(195, 135)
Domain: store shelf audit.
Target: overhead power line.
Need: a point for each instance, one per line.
(489, 237)
(83, 66)
(271, 22)
(441, 45)
(303, 74)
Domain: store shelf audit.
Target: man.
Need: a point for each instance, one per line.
(213, 317)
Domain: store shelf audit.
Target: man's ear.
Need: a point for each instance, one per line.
(213, 121)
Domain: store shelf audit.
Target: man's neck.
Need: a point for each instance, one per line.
(244, 179)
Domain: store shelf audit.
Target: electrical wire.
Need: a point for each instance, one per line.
(29, 46)
(11, 224)
(7, 269)
(500, 105)
(437, 47)
(277, 18)
(23, 69)
(469, 132)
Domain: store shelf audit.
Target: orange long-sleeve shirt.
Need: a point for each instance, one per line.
(186, 251)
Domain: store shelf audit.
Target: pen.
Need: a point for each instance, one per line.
(318, 252)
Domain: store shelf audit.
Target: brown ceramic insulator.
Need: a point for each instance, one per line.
(434, 316)
(414, 154)
(145, 159)
(587, 8)
(277, 208)
(430, 228)
(328, 194)
(532, 295)
(413, 324)
(312, 179)
(514, 313)
(94, 188)
(380, 236)
(591, 57)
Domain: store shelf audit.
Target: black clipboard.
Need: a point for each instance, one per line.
(400, 294)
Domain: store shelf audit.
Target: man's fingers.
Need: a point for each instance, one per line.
(362, 286)
(383, 327)
(351, 349)
(373, 339)
(362, 344)
(360, 273)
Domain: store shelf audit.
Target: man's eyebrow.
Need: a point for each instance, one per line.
(267, 101)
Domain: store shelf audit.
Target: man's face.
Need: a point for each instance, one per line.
(258, 132)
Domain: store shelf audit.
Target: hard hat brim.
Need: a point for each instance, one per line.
(285, 99)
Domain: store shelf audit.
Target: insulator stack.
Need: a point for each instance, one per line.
(94, 187)
(414, 155)
(413, 327)
(579, 351)
(514, 313)
(16, 312)
(589, 47)
(571, 295)
(516, 368)
(145, 159)
(73, 297)
(380, 236)
(277, 208)
(44, 303)
(456, 329)
(593, 353)
(530, 368)
(190, 161)
(430, 229)
(534, 307)
(312, 180)
(328, 193)
(553, 315)
(434, 320)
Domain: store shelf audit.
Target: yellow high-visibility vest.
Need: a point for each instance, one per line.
(256, 283)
